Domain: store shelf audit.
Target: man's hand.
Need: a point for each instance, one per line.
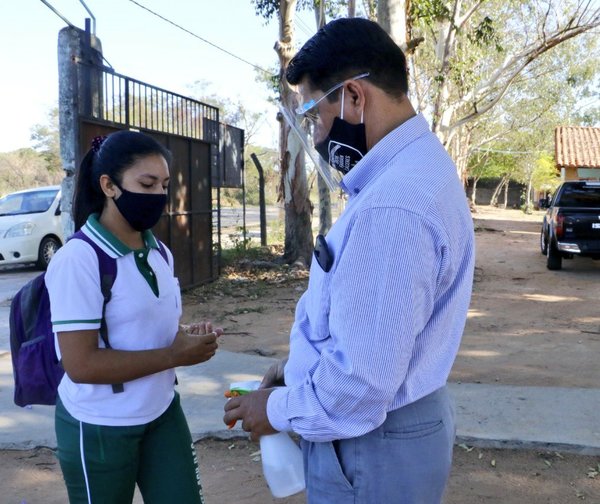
(251, 408)
(274, 377)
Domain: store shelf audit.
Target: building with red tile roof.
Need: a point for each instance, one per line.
(577, 150)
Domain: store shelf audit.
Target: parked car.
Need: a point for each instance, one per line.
(30, 226)
(571, 225)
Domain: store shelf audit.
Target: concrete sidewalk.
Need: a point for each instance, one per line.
(549, 418)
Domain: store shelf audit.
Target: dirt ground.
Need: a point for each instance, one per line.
(527, 326)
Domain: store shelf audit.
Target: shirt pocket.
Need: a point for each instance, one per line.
(318, 303)
(170, 296)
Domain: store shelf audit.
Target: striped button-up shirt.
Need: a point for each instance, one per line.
(382, 327)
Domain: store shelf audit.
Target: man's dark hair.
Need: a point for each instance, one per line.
(347, 47)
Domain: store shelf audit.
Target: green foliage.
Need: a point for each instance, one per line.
(430, 11)
(545, 176)
(485, 34)
(24, 169)
(271, 82)
(491, 165)
(40, 166)
(268, 9)
(269, 162)
(241, 249)
(46, 141)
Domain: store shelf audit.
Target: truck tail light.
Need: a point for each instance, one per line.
(559, 227)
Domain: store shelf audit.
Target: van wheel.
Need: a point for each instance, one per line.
(48, 248)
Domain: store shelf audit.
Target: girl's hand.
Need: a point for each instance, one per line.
(195, 344)
(201, 328)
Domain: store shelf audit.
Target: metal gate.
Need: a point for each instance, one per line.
(190, 130)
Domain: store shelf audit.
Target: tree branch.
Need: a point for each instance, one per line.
(521, 61)
(461, 20)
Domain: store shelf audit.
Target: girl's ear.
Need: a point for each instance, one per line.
(108, 186)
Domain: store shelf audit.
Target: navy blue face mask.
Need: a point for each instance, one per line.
(344, 146)
(141, 210)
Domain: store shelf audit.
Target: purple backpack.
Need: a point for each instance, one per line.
(36, 368)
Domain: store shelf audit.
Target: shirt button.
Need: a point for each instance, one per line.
(141, 254)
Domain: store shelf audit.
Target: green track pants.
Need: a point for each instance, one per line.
(102, 465)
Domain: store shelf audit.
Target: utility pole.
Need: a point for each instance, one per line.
(75, 46)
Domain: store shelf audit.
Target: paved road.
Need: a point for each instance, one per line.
(234, 217)
(12, 278)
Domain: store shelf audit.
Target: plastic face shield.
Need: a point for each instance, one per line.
(309, 110)
(302, 123)
(331, 176)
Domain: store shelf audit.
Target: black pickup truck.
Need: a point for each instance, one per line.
(572, 223)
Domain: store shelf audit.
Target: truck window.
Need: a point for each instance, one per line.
(580, 197)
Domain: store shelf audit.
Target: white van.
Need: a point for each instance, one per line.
(30, 226)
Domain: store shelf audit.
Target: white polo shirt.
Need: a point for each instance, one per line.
(143, 314)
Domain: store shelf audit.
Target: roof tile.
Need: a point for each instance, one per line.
(577, 147)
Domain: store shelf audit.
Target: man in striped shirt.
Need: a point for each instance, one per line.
(377, 331)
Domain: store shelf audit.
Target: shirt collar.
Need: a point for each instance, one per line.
(109, 239)
(376, 161)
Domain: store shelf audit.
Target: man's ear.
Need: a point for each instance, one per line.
(108, 186)
(355, 97)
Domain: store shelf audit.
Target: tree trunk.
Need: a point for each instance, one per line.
(528, 202)
(392, 17)
(506, 194)
(324, 193)
(496, 193)
(459, 151)
(474, 191)
(325, 219)
(351, 8)
(293, 189)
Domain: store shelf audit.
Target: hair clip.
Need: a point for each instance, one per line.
(97, 143)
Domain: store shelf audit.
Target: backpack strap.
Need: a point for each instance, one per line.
(107, 267)
(163, 251)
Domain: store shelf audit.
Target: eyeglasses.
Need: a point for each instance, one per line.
(305, 108)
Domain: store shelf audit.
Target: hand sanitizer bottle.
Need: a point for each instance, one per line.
(283, 466)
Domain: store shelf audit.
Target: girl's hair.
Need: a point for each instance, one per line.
(111, 156)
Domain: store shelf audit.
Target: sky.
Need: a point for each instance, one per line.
(139, 45)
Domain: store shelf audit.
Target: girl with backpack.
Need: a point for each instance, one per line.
(118, 418)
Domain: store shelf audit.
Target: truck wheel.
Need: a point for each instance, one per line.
(553, 259)
(543, 243)
(48, 248)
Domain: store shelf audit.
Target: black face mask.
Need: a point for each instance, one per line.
(344, 146)
(141, 210)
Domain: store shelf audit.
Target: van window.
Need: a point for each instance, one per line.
(24, 203)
